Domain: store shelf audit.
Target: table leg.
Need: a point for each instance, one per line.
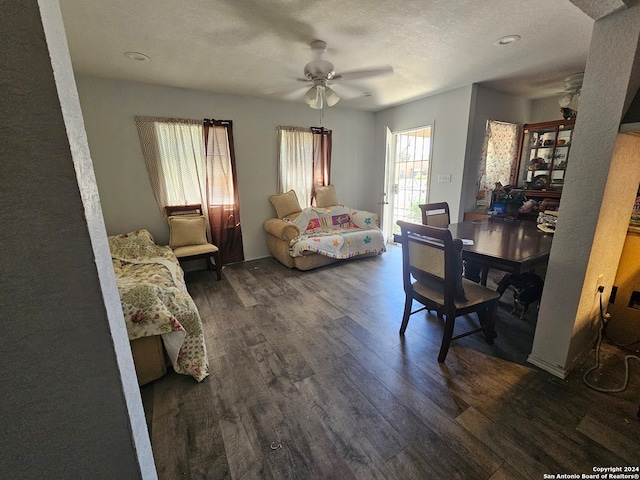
(474, 271)
(485, 275)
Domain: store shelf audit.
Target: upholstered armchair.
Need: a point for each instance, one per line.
(187, 236)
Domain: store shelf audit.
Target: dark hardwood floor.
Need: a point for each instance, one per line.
(309, 379)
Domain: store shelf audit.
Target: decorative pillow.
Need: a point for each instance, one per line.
(285, 203)
(325, 196)
(187, 230)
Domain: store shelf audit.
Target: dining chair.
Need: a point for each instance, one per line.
(188, 238)
(432, 275)
(435, 214)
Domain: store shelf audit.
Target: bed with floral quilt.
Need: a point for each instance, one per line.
(155, 300)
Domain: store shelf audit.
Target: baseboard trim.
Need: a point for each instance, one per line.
(559, 371)
(553, 369)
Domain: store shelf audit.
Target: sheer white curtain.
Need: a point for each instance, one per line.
(498, 161)
(219, 168)
(173, 151)
(295, 162)
(222, 182)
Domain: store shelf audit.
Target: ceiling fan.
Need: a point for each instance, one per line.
(321, 74)
(570, 101)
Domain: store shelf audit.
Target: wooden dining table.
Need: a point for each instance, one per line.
(511, 246)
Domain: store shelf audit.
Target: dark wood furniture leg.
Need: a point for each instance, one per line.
(218, 264)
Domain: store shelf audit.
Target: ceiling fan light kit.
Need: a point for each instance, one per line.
(314, 98)
(331, 96)
(319, 95)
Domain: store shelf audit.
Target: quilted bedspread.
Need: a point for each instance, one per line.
(344, 243)
(337, 232)
(155, 300)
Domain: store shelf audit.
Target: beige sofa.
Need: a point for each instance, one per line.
(358, 235)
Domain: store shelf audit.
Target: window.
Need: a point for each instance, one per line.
(304, 160)
(498, 162)
(193, 162)
(173, 151)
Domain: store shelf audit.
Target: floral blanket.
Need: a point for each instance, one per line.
(155, 300)
(337, 232)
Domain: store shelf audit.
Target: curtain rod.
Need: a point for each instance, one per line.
(212, 121)
(305, 129)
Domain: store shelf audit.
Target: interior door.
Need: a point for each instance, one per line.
(407, 174)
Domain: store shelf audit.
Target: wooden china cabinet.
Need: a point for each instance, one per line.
(543, 158)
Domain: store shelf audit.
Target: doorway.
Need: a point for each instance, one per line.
(407, 174)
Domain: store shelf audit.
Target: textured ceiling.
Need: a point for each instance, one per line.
(260, 48)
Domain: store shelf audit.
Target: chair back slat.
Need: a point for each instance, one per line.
(429, 250)
(435, 214)
(427, 258)
(438, 220)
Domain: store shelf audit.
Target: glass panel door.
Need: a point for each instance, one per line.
(408, 173)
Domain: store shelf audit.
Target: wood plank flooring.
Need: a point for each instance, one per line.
(309, 379)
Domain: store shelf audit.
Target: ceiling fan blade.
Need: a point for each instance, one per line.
(347, 91)
(365, 73)
(286, 90)
(295, 94)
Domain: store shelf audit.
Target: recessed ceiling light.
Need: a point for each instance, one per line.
(141, 57)
(507, 40)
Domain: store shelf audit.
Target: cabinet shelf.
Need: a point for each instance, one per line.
(542, 161)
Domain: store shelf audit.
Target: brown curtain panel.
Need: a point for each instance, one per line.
(222, 190)
(321, 156)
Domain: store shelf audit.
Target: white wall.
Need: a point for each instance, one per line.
(459, 118)
(127, 201)
(448, 113)
(545, 110)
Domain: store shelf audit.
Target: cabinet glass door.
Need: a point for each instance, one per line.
(560, 158)
(544, 156)
(538, 168)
